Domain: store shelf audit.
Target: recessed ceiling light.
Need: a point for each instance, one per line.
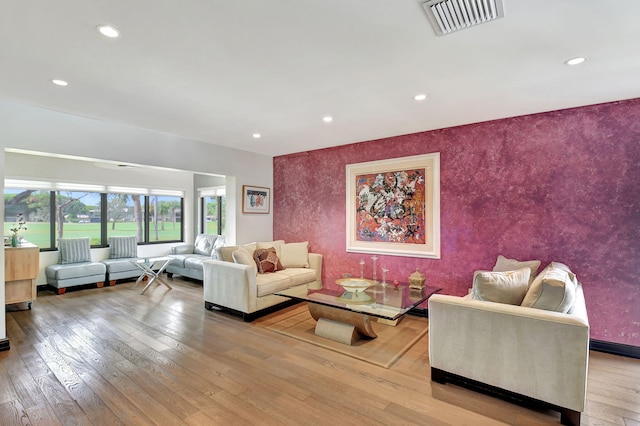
(257, 135)
(420, 97)
(59, 82)
(575, 61)
(327, 119)
(108, 31)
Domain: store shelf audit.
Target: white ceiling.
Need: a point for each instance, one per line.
(220, 70)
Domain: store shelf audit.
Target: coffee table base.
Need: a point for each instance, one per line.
(340, 325)
(337, 331)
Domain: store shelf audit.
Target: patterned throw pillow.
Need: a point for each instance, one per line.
(267, 260)
(123, 247)
(74, 250)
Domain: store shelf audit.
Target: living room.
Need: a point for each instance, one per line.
(559, 184)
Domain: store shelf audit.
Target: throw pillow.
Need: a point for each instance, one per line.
(504, 264)
(123, 247)
(251, 247)
(295, 255)
(242, 256)
(226, 253)
(564, 267)
(502, 287)
(277, 244)
(267, 260)
(74, 250)
(552, 290)
(204, 244)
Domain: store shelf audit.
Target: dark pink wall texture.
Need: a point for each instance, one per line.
(559, 186)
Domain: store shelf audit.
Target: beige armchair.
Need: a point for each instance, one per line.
(532, 352)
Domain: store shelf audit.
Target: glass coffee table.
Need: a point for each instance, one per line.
(345, 315)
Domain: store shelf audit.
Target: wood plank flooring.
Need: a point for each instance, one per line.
(113, 356)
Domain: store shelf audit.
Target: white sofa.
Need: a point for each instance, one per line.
(537, 353)
(233, 282)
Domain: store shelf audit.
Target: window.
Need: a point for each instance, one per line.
(98, 215)
(125, 215)
(35, 206)
(78, 215)
(165, 218)
(213, 214)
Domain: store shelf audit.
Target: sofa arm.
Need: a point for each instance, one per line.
(537, 353)
(230, 285)
(315, 263)
(182, 249)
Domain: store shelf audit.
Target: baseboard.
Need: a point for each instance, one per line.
(4, 344)
(615, 348)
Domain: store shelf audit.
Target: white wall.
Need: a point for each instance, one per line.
(35, 129)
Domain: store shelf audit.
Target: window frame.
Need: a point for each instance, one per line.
(104, 218)
(203, 212)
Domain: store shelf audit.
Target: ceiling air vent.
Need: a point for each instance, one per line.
(448, 16)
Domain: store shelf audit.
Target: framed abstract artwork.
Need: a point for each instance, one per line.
(255, 199)
(393, 206)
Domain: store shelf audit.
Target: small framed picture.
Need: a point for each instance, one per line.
(255, 199)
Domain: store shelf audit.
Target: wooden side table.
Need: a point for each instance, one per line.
(21, 266)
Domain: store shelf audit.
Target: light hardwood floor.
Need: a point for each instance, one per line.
(113, 356)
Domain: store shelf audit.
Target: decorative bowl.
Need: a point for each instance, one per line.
(355, 285)
(356, 298)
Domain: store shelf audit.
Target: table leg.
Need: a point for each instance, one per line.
(153, 276)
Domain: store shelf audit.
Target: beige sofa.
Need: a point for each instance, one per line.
(232, 282)
(537, 353)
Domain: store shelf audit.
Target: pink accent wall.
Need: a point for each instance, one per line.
(561, 186)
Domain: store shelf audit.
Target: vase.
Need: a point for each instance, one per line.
(14, 240)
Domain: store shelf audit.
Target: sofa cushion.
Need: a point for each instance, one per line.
(123, 247)
(299, 275)
(242, 256)
(502, 287)
(295, 255)
(504, 264)
(267, 284)
(177, 260)
(267, 260)
(552, 290)
(120, 265)
(195, 261)
(204, 244)
(74, 250)
(69, 271)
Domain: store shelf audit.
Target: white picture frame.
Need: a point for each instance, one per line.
(393, 206)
